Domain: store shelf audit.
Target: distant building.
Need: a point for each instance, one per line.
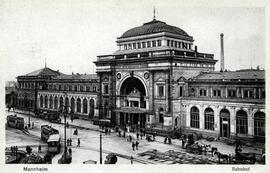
(11, 96)
(30, 84)
(78, 91)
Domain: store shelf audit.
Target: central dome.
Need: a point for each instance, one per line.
(155, 26)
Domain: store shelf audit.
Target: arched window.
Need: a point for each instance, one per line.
(79, 105)
(40, 101)
(259, 125)
(85, 106)
(67, 102)
(194, 117)
(61, 103)
(72, 105)
(46, 101)
(241, 122)
(92, 108)
(209, 119)
(51, 102)
(55, 102)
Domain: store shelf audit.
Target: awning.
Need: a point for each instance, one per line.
(132, 110)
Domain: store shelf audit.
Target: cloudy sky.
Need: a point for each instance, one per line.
(70, 34)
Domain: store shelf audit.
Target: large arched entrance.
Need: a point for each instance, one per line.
(132, 111)
(224, 123)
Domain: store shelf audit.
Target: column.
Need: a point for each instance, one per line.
(216, 118)
(250, 123)
(201, 113)
(81, 105)
(242, 92)
(232, 120)
(53, 103)
(75, 104)
(188, 115)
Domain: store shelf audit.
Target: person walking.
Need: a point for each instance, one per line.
(39, 148)
(170, 140)
(137, 144)
(131, 160)
(165, 140)
(67, 142)
(119, 133)
(133, 146)
(137, 135)
(70, 142)
(70, 151)
(141, 135)
(130, 138)
(124, 134)
(79, 142)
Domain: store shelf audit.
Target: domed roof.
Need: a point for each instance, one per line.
(155, 26)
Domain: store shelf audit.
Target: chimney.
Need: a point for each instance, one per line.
(221, 52)
(196, 49)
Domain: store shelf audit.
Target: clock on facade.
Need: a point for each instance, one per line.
(118, 75)
(146, 75)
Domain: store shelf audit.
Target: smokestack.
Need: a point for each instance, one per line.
(221, 52)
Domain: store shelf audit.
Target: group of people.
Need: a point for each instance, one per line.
(135, 144)
(69, 142)
(14, 149)
(167, 139)
(28, 149)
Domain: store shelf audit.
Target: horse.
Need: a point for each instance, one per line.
(222, 156)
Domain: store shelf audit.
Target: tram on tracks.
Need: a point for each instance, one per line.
(15, 122)
(54, 144)
(47, 131)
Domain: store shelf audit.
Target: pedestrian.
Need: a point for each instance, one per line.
(70, 151)
(70, 142)
(124, 134)
(109, 131)
(141, 135)
(16, 150)
(143, 132)
(12, 150)
(67, 142)
(39, 148)
(67, 125)
(165, 140)
(79, 142)
(154, 135)
(130, 138)
(137, 135)
(137, 144)
(119, 133)
(133, 146)
(170, 140)
(131, 160)
(32, 124)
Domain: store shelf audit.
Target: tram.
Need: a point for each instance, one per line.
(47, 131)
(54, 144)
(15, 122)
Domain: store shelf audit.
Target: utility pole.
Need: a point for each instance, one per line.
(100, 149)
(65, 135)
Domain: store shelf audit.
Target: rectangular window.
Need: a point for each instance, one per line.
(161, 91)
(75, 88)
(175, 44)
(181, 91)
(143, 45)
(149, 44)
(256, 93)
(153, 43)
(231, 93)
(184, 45)
(216, 93)
(129, 46)
(106, 89)
(246, 93)
(179, 45)
(87, 88)
(172, 43)
(202, 92)
(94, 89)
(139, 45)
(159, 42)
(168, 42)
(125, 46)
(134, 45)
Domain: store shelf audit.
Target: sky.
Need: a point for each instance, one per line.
(71, 34)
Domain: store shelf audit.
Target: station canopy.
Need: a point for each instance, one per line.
(133, 110)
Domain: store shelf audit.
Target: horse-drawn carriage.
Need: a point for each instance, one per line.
(244, 158)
